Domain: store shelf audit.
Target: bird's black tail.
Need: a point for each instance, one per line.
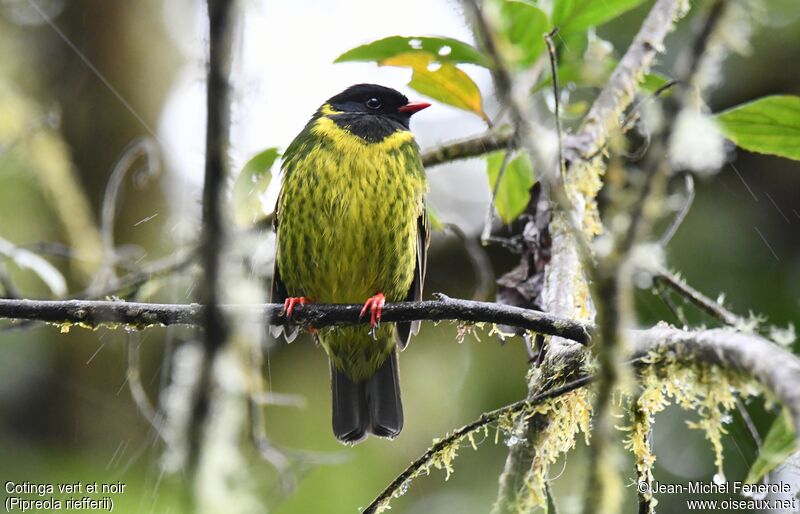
(373, 406)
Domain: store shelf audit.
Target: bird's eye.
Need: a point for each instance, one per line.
(373, 103)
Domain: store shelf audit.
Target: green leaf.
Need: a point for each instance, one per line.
(443, 49)
(779, 444)
(441, 81)
(768, 125)
(523, 28)
(514, 191)
(578, 15)
(247, 199)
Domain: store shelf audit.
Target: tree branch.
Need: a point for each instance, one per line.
(704, 303)
(212, 237)
(564, 275)
(398, 484)
(754, 356)
(95, 313)
(604, 116)
(489, 141)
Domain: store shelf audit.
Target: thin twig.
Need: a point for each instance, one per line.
(705, 303)
(258, 431)
(674, 309)
(679, 219)
(129, 284)
(485, 419)
(551, 50)
(486, 234)
(484, 273)
(136, 388)
(143, 147)
(636, 109)
(10, 291)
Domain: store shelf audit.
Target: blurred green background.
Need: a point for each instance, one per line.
(65, 411)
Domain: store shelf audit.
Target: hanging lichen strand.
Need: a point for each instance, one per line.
(704, 388)
(566, 417)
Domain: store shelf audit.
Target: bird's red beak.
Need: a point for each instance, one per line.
(412, 107)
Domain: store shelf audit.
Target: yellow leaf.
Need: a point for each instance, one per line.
(441, 81)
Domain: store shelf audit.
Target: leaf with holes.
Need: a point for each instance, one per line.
(768, 125)
(442, 49)
(513, 193)
(578, 15)
(779, 444)
(250, 188)
(441, 81)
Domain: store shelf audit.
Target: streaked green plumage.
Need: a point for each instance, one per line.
(350, 216)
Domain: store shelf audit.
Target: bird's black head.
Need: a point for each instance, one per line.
(372, 112)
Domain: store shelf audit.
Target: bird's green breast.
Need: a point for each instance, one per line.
(347, 229)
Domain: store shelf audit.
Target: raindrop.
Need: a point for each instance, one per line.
(719, 478)
(445, 50)
(726, 418)
(403, 489)
(416, 44)
(434, 66)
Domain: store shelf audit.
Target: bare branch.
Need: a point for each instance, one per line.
(94, 313)
(141, 147)
(666, 237)
(490, 141)
(705, 303)
(212, 238)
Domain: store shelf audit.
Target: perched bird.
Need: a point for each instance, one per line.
(351, 228)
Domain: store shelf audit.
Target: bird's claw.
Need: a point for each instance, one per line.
(290, 303)
(374, 305)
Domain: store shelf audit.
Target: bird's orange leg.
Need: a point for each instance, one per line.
(290, 303)
(374, 305)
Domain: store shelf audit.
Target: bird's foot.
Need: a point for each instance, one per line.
(290, 303)
(374, 305)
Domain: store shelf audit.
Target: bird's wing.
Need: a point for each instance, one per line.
(279, 294)
(407, 328)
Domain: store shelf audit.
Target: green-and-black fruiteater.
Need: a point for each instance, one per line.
(351, 228)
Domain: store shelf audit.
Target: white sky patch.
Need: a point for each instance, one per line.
(283, 71)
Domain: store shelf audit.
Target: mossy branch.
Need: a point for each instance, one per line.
(778, 370)
(756, 357)
(397, 486)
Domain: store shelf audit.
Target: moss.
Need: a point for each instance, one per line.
(704, 388)
(65, 326)
(567, 416)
